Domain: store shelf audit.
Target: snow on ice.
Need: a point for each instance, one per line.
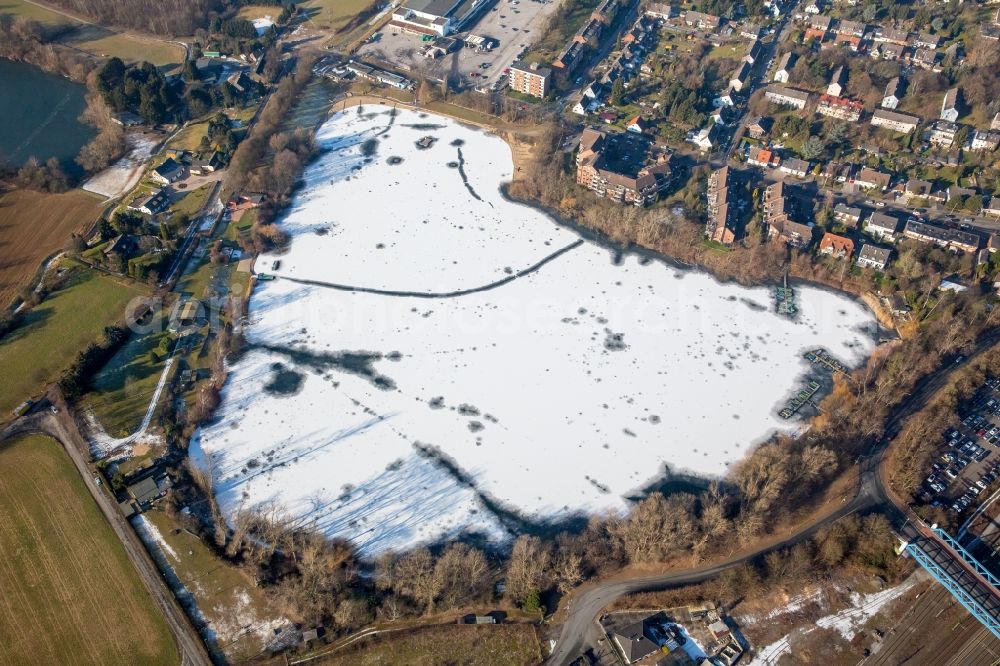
(435, 359)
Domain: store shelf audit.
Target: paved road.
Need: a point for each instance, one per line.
(63, 429)
(759, 78)
(577, 632)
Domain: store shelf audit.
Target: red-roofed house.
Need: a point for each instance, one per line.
(836, 246)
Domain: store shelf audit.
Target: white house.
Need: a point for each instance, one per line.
(949, 106)
(893, 93)
(837, 82)
(785, 67)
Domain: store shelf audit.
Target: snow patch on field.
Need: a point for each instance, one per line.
(122, 176)
(846, 622)
(154, 535)
(372, 411)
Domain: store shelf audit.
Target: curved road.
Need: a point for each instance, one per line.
(872, 494)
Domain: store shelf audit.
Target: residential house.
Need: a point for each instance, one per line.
(589, 33)
(762, 157)
(853, 42)
(897, 122)
(813, 7)
(152, 203)
(840, 107)
(960, 194)
(637, 125)
(837, 82)
(705, 137)
(759, 126)
(168, 172)
(621, 166)
(725, 98)
(636, 641)
(949, 105)
(838, 247)
(892, 35)
(785, 65)
(873, 256)
(720, 116)
(941, 236)
(659, 11)
(925, 58)
(569, 57)
(868, 179)
(820, 22)
(993, 207)
(740, 77)
(605, 11)
(203, 167)
(917, 188)
(530, 80)
(887, 51)
(995, 123)
(753, 53)
(702, 21)
(893, 93)
(750, 31)
(981, 141)
(780, 213)
(852, 28)
(787, 96)
(926, 40)
(720, 224)
(849, 216)
(835, 173)
(795, 167)
(882, 225)
(145, 491)
(942, 133)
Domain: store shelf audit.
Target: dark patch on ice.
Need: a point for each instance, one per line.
(603, 489)
(369, 147)
(394, 160)
(457, 142)
(476, 426)
(452, 165)
(753, 305)
(614, 341)
(424, 126)
(321, 231)
(359, 363)
(284, 382)
(468, 410)
(465, 177)
(436, 403)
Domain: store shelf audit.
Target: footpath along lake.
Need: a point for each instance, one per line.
(39, 115)
(434, 359)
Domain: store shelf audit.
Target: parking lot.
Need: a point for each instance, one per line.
(512, 23)
(966, 465)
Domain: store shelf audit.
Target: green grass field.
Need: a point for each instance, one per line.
(333, 14)
(225, 595)
(53, 333)
(124, 387)
(22, 9)
(70, 594)
(501, 645)
(129, 48)
(192, 201)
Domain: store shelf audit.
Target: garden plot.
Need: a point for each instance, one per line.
(558, 382)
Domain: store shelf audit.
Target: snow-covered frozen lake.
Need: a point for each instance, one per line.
(435, 359)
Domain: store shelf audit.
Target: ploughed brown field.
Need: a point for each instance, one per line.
(34, 225)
